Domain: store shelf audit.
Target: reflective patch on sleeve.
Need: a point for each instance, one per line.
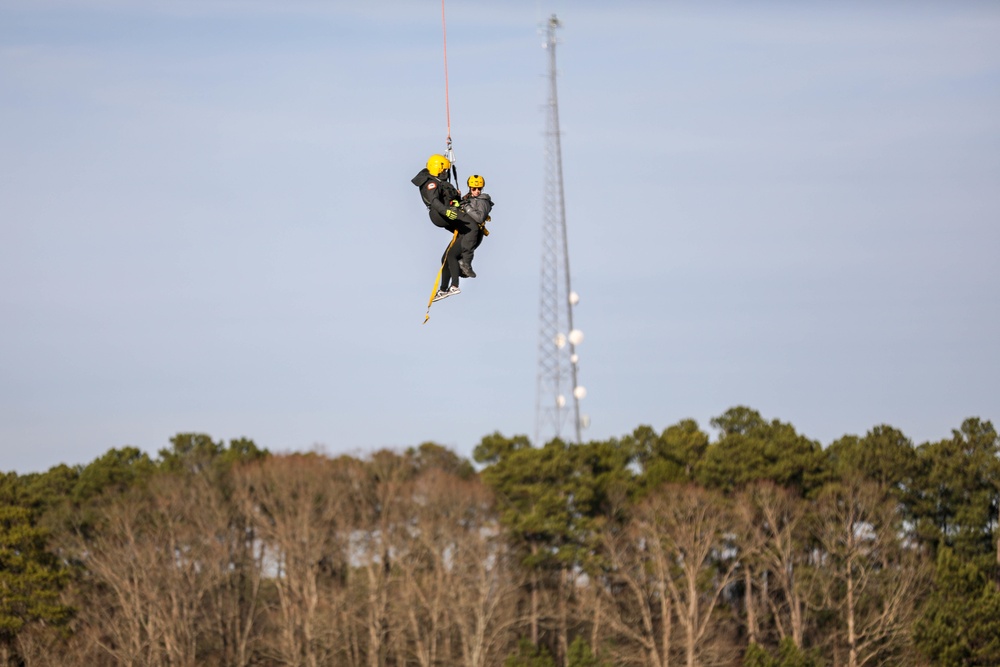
(431, 186)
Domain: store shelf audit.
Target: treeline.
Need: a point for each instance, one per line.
(759, 548)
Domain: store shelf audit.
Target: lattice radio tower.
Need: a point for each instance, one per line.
(558, 399)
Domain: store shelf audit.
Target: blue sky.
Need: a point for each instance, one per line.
(206, 220)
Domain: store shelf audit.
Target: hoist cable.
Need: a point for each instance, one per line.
(449, 153)
(447, 105)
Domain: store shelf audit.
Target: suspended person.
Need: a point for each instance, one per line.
(476, 206)
(442, 201)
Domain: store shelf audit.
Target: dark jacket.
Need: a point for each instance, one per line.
(436, 193)
(477, 208)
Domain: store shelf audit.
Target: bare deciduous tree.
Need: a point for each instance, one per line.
(671, 563)
(775, 535)
(297, 511)
(638, 611)
(482, 580)
(379, 499)
(238, 558)
(873, 578)
(149, 559)
(684, 529)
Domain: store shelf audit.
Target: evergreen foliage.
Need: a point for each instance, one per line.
(580, 655)
(789, 655)
(751, 449)
(31, 577)
(961, 623)
(529, 655)
(955, 499)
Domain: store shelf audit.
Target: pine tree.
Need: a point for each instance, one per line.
(529, 655)
(961, 622)
(30, 576)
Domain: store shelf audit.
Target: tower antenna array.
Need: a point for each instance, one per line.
(558, 394)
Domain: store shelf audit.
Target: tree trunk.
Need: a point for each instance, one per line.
(666, 626)
(795, 610)
(595, 629)
(374, 621)
(748, 601)
(562, 644)
(852, 639)
(534, 600)
(691, 625)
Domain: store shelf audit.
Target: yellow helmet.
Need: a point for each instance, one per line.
(476, 181)
(437, 163)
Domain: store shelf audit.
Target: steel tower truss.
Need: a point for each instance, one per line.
(557, 411)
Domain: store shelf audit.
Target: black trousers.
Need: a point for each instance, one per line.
(470, 240)
(450, 272)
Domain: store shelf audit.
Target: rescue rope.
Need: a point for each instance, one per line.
(448, 153)
(447, 103)
(437, 280)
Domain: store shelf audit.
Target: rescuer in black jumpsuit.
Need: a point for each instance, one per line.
(438, 195)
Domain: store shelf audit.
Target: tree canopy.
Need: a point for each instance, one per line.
(758, 546)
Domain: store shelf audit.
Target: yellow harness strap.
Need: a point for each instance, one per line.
(437, 280)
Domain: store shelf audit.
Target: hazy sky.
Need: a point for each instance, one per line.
(207, 224)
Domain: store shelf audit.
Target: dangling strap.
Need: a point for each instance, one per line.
(437, 280)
